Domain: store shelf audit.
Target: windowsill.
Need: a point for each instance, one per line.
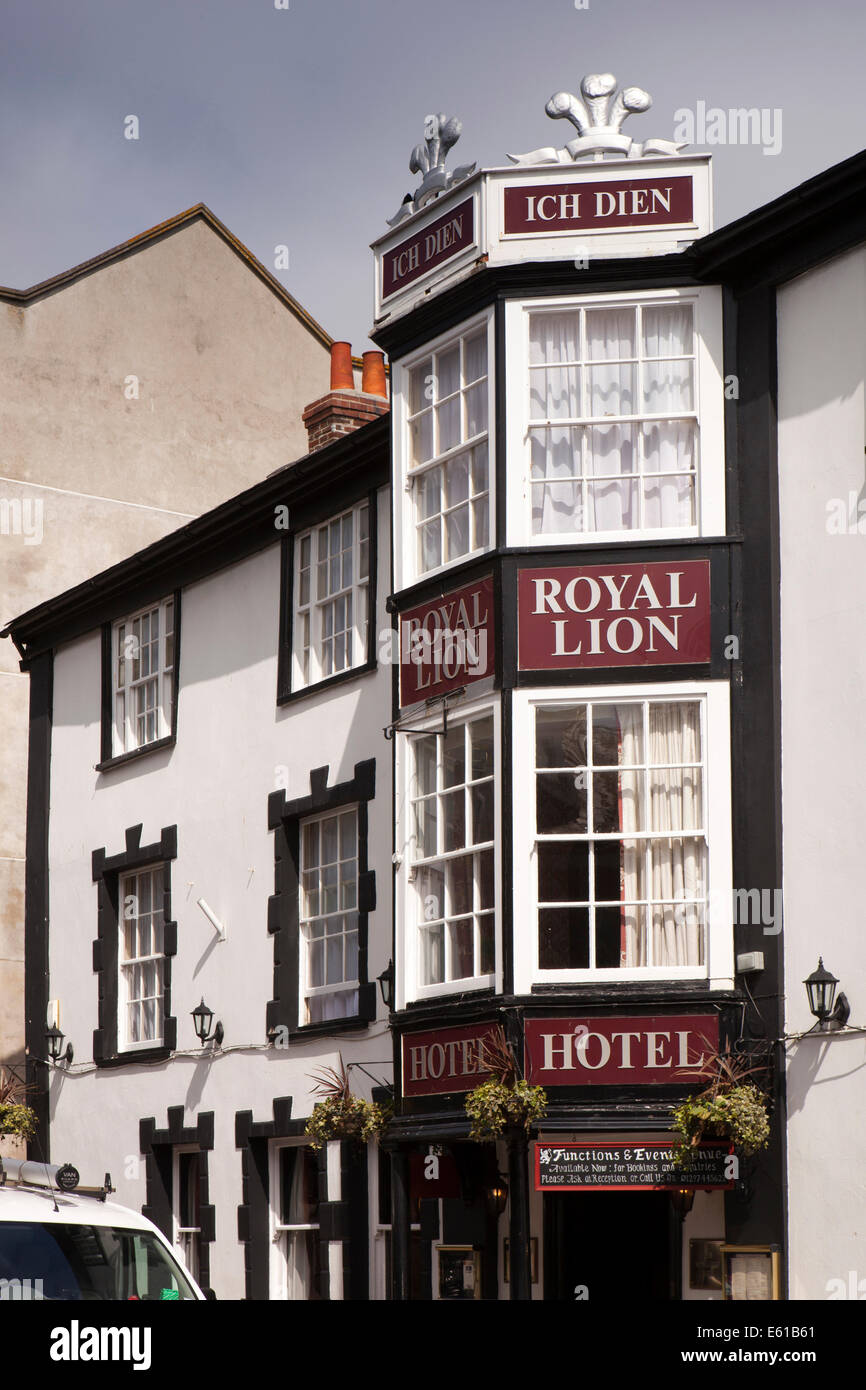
(452, 989)
(134, 1056)
(650, 986)
(290, 696)
(330, 1025)
(118, 761)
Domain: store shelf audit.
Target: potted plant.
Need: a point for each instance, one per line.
(729, 1107)
(504, 1101)
(16, 1116)
(341, 1115)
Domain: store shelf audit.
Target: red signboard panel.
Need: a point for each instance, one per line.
(437, 242)
(614, 615)
(662, 1050)
(447, 642)
(609, 205)
(444, 1060)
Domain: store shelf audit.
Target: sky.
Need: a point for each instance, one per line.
(295, 124)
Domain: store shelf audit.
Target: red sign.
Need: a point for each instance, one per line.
(437, 242)
(433, 1175)
(611, 205)
(618, 1051)
(447, 642)
(614, 615)
(444, 1060)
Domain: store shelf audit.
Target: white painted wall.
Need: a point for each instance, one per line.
(214, 785)
(822, 361)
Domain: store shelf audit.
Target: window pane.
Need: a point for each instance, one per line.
(481, 801)
(475, 357)
(610, 333)
(563, 938)
(459, 885)
(448, 370)
(454, 828)
(481, 741)
(419, 386)
(563, 872)
(560, 737)
(462, 950)
(561, 803)
(432, 955)
(454, 756)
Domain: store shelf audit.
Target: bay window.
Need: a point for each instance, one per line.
(444, 443)
(621, 831)
(450, 874)
(620, 424)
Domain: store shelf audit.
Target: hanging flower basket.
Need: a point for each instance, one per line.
(730, 1107)
(504, 1101)
(341, 1115)
(16, 1117)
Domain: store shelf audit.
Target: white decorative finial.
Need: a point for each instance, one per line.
(441, 132)
(598, 122)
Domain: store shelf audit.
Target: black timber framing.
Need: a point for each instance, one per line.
(157, 1147)
(36, 899)
(106, 872)
(284, 818)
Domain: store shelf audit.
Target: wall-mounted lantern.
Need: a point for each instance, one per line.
(202, 1018)
(821, 988)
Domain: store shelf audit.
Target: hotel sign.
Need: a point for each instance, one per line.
(629, 1167)
(435, 244)
(444, 1060)
(602, 206)
(447, 643)
(618, 1051)
(614, 615)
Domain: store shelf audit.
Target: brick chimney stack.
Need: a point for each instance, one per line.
(345, 409)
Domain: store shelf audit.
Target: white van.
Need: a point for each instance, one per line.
(61, 1241)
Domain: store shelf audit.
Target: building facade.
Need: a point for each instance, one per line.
(206, 730)
(138, 390)
(506, 701)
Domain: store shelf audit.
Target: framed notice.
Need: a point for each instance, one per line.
(533, 1260)
(459, 1271)
(751, 1273)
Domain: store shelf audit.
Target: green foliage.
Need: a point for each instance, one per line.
(346, 1117)
(495, 1106)
(17, 1119)
(738, 1113)
(341, 1115)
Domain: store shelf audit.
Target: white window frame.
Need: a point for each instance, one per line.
(186, 1238)
(308, 617)
(406, 567)
(305, 991)
(282, 1232)
(407, 987)
(124, 731)
(718, 969)
(125, 889)
(709, 412)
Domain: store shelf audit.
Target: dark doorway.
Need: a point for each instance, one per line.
(616, 1244)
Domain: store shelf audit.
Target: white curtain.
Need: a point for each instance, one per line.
(677, 860)
(298, 1264)
(571, 380)
(633, 939)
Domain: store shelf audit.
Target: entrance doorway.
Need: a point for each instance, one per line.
(617, 1245)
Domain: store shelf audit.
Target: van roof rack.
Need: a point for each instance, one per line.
(24, 1172)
